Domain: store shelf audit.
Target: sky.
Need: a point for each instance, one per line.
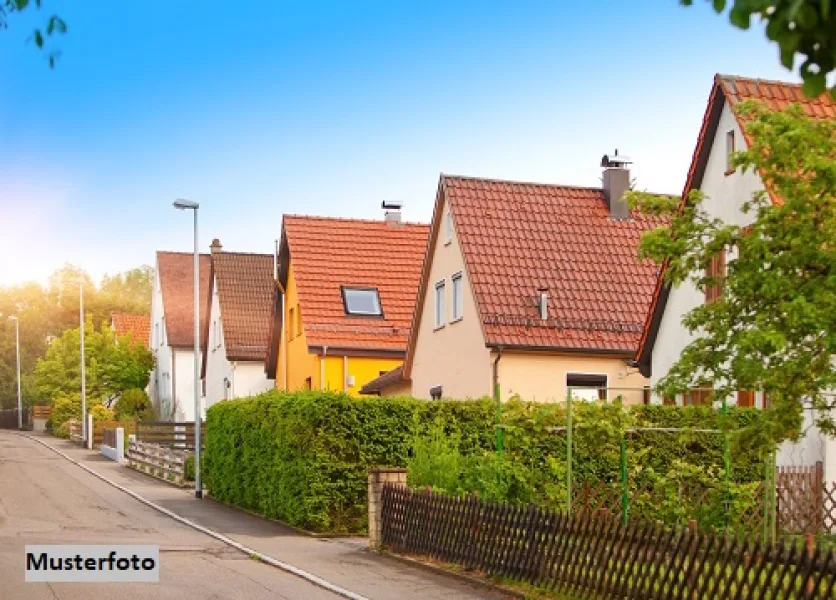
(255, 109)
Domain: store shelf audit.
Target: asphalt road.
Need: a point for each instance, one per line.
(45, 499)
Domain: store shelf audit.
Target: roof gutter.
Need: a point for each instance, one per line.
(564, 350)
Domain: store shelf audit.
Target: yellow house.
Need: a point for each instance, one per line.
(347, 290)
(535, 287)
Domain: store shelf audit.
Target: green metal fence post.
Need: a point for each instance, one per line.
(625, 494)
(726, 462)
(569, 453)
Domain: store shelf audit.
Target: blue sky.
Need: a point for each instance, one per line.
(327, 108)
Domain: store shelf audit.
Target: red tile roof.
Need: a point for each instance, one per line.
(328, 253)
(777, 95)
(137, 326)
(516, 237)
(176, 272)
(245, 292)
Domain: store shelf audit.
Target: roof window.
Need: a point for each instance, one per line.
(361, 301)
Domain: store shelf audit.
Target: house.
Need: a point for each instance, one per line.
(347, 291)
(138, 327)
(239, 307)
(535, 287)
(172, 333)
(723, 132)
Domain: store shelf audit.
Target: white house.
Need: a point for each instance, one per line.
(726, 190)
(240, 305)
(172, 333)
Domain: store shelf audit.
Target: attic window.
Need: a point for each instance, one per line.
(361, 301)
(729, 151)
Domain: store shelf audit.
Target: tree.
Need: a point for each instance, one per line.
(774, 326)
(804, 27)
(130, 291)
(54, 24)
(133, 404)
(113, 365)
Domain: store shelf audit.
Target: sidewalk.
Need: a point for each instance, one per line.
(342, 561)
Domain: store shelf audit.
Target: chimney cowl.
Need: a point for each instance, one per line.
(216, 245)
(392, 216)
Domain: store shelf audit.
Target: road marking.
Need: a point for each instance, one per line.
(314, 579)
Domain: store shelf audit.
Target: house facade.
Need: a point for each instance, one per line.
(534, 287)
(239, 308)
(725, 189)
(172, 333)
(347, 290)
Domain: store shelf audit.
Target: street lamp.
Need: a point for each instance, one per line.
(17, 350)
(180, 204)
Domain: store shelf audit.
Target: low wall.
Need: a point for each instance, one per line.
(116, 451)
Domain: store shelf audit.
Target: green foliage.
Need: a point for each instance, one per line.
(113, 366)
(133, 404)
(304, 457)
(804, 27)
(189, 468)
(54, 24)
(65, 408)
(774, 328)
(47, 312)
(101, 413)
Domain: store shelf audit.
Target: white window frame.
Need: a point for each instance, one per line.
(457, 297)
(587, 374)
(448, 227)
(440, 303)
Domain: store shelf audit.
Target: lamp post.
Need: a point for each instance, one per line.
(83, 374)
(17, 351)
(198, 487)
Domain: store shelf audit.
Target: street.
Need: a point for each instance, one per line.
(45, 499)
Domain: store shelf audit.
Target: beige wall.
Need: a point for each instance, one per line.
(542, 377)
(402, 388)
(455, 355)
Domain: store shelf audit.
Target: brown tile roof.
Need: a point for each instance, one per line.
(776, 95)
(516, 237)
(245, 292)
(176, 271)
(377, 385)
(137, 326)
(328, 253)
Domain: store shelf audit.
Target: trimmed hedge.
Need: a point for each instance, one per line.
(304, 457)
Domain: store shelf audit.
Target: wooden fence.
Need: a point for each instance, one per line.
(163, 463)
(99, 428)
(41, 412)
(594, 556)
(170, 434)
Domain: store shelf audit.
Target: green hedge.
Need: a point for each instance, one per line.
(304, 457)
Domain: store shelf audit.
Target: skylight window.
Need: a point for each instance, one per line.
(361, 301)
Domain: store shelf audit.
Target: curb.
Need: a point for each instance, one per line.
(310, 577)
(439, 570)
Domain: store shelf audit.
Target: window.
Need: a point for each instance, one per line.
(298, 320)
(291, 321)
(458, 297)
(716, 269)
(219, 334)
(703, 395)
(746, 398)
(586, 386)
(361, 301)
(214, 335)
(440, 310)
(157, 339)
(448, 227)
(729, 151)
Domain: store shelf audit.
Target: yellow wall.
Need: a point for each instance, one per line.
(542, 377)
(302, 364)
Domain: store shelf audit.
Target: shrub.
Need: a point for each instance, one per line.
(64, 409)
(100, 412)
(304, 457)
(133, 404)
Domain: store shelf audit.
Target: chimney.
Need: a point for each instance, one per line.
(215, 247)
(392, 216)
(543, 301)
(616, 183)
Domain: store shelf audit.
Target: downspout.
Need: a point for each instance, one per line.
(234, 364)
(498, 400)
(345, 373)
(173, 384)
(322, 368)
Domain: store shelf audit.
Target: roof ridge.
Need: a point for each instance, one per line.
(725, 77)
(349, 220)
(520, 182)
(181, 253)
(246, 253)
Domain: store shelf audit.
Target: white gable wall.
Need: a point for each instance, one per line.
(725, 195)
(160, 381)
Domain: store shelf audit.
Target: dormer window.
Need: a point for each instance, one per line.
(361, 301)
